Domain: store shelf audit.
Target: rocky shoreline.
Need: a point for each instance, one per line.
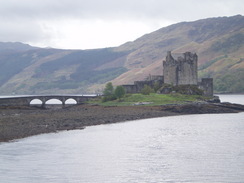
(19, 122)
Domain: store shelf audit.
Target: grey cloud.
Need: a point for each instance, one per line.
(20, 20)
(133, 9)
(22, 31)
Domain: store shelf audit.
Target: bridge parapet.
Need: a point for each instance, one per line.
(13, 101)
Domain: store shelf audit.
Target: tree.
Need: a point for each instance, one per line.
(108, 93)
(109, 89)
(119, 92)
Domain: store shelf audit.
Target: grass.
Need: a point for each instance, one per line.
(153, 99)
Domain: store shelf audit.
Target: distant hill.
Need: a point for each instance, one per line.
(16, 46)
(219, 43)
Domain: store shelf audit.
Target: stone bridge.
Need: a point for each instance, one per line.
(26, 100)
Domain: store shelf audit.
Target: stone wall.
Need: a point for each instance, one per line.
(139, 85)
(130, 88)
(158, 78)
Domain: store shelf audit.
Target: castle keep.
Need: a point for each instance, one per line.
(182, 71)
(177, 72)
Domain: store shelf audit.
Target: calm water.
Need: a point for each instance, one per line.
(191, 148)
(238, 99)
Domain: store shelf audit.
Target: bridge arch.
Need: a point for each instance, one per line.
(71, 101)
(36, 101)
(54, 101)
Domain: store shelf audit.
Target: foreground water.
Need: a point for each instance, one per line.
(191, 148)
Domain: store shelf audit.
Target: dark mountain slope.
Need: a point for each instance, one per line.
(51, 70)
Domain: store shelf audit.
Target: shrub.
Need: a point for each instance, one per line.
(108, 98)
(147, 90)
(181, 89)
(188, 90)
(156, 86)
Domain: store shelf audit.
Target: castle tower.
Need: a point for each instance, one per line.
(170, 70)
(182, 71)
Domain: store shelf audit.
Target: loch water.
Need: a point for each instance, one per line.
(189, 148)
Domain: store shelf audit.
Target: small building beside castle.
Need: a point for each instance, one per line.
(177, 72)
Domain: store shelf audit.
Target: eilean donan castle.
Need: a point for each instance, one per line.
(177, 72)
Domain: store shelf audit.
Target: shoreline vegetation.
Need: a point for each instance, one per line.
(23, 121)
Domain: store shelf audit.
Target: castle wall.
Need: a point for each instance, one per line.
(139, 85)
(158, 78)
(207, 86)
(170, 73)
(130, 88)
(187, 73)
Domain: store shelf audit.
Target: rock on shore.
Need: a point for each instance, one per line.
(20, 122)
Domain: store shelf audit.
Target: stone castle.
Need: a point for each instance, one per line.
(182, 71)
(177, 72)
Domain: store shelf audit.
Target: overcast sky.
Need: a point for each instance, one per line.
(85, 24)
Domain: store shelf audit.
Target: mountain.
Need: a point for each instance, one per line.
(38, 71)
(13, 47)
(218, 42)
